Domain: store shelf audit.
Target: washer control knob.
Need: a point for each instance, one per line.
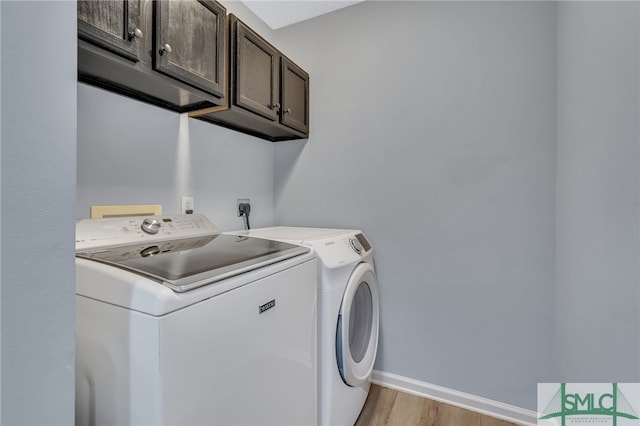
(355, 245)
(150, 251)
(151, 225)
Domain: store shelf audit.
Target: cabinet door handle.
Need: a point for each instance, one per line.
(136, 33)
(276, 107)
(166, 48)
(287, 111)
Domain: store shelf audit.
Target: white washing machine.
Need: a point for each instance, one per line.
(178, 324)
(347, 317)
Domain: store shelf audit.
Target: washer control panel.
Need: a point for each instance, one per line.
(110, 232)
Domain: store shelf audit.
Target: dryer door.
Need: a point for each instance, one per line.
(357, 333)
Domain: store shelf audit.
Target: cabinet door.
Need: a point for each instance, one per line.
(295, 96)
(190, 43)
(256, 74)
(111, 24)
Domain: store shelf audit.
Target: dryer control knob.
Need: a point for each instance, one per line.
(355, 245)
(151, 225)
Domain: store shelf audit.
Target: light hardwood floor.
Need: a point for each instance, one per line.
(389, 407)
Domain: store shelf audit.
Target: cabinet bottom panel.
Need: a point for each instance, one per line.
(245, 122)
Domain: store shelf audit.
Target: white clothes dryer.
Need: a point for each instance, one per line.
(178, 324)
(348, 321)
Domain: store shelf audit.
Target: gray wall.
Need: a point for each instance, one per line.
(38, 137)
(134, 153)
(598, 314)
(434, 130)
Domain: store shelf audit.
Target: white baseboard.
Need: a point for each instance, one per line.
(467, 401)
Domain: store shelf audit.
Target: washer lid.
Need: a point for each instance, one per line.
(188, 263)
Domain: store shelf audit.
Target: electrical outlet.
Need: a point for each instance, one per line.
(187, 205)
(241, 201)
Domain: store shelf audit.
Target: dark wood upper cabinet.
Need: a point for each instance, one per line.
(256, 73)
(189, 56)
(268, 93)
(295, 96)
(112, 25)
(190, 43)
(171, 53)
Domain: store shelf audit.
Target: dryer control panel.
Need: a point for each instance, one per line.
(360, 244)
(339, 251)
(117, 231)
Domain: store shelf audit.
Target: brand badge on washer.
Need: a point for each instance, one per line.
(270, 304)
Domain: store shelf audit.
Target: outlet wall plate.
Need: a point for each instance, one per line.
(241, 201)
(186, 204)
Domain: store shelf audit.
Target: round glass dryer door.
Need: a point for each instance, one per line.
(357, 332)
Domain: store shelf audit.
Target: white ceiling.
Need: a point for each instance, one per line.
(280, 13)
